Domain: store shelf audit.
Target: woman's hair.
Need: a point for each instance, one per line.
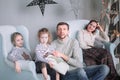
(13, 36)
(45, 31)
(90, 23)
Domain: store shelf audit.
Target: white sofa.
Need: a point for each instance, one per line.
(7, 71)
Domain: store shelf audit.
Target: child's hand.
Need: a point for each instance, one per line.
(17, 67)
(26, 57)
(50, 64)
(46, 54)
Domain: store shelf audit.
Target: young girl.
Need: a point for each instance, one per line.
(43, 49)
(20, 56)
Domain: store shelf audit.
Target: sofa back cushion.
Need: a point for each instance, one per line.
(6, 32)
(75, 26)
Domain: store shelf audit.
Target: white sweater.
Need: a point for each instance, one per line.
(70, 48)
(86, 40)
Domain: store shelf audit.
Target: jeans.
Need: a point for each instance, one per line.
(95, 72)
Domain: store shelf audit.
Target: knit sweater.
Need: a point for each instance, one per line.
(17, 54)
(70, 48)
(87, 40)
(41, 50)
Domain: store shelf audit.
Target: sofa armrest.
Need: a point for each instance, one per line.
(107, 45)
(111, 48)
(81, 55)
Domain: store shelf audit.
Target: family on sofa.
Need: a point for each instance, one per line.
(98, 63)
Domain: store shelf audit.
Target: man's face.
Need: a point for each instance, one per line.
(62, 31)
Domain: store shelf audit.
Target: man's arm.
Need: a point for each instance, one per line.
(74, 59)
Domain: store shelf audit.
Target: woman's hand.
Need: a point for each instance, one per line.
(99, 27)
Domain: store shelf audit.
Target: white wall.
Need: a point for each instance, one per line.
(15, 12)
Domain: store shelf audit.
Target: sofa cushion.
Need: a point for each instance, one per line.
(75, 26)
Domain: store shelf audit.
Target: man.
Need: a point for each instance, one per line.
(68, 50)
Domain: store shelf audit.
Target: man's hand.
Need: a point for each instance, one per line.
(57, 54)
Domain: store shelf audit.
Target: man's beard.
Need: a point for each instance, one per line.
(62, 37)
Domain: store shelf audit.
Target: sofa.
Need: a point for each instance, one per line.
(7, 70)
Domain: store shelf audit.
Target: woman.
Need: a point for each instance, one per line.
(95, 55)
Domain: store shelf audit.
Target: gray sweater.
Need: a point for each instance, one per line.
(86, 40)
(41, 50)
(69, 47)
(16, 54)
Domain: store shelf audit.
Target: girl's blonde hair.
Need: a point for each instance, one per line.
(44, 31)
(13, 36)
